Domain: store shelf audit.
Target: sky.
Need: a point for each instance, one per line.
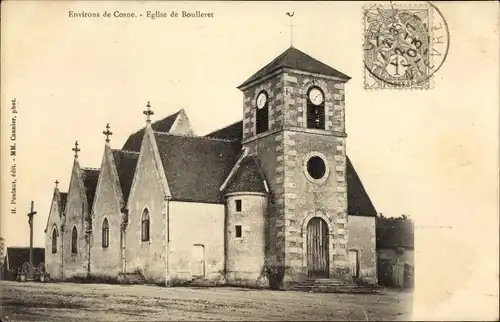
(431, 154)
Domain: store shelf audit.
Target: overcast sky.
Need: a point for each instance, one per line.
(431, 154)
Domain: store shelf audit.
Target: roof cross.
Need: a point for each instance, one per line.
(108, 133)
(76, 149)
(56, 182)
(148, 113)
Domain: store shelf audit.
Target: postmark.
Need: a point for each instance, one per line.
(404, 45)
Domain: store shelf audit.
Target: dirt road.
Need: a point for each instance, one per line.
(100, 302)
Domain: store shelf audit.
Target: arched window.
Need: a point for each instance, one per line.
(54, 240)
(145, 225)
(74, 241)
(105, 233)
(262, 117)
(315, 108)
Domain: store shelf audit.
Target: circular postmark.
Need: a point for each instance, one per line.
(404, 44)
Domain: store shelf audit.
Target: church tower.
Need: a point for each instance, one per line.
(294, 123)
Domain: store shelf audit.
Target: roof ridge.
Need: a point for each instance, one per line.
(195, 136)
(126, 151)
(91, 168)
(224, 127)
(166, 117)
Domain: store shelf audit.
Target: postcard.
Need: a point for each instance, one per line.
(184, 160)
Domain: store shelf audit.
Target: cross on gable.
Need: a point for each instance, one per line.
(76, 149)
(57, 183)
(148, 113)
(108, 133)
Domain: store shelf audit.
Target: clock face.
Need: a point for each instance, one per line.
(316, 96)
(261, 100)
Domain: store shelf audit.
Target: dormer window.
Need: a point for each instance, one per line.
(315, 108)
(262, 114)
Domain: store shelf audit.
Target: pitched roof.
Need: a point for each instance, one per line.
(64, 198)
(126, 162)
(90, 177)
(393, 233)
(231, 132)
(17, 256)
(195, 167)
(249, 177)
(295, 59)
(134, 141)
(358, 201)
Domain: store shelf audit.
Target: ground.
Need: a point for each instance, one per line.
(97, 302)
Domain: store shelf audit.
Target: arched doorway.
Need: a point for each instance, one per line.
(317, 248)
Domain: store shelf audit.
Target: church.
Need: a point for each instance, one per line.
(270, 200)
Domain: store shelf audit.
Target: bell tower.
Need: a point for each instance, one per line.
(294, 123)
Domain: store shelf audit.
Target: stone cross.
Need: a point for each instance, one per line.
(76, 149)
(30, 222)
(108, 133)
(57, 183)
(148, 113)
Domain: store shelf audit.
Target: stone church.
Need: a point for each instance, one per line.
(267, 201)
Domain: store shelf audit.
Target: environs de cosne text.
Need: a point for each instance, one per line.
(146, 14)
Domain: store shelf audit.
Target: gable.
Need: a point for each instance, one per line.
(176, 123)
(195, 167)
(56, 207)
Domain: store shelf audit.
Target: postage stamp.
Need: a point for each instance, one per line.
(405, 44)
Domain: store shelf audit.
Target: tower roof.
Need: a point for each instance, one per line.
(298, 60)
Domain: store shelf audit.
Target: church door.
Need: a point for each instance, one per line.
(317, 248)
(198, 264)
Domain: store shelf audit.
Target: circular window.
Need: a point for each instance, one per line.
(316, 167)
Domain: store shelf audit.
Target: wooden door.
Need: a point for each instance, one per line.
(317, 248)
(354, 262)
(198, 263)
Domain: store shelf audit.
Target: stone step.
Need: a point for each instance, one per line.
(332, 286)
(131, 278)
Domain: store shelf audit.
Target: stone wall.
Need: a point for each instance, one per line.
(196, 241)
(246, 254)
(76, 211)
(362, 239)
(106, 261)
(147, 257)
(283, 151)
(53, 262)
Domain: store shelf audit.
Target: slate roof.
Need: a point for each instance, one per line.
(231, 132)
(90, 177)
(64, 198)
(295, 59)
(17, 256)
(134, 141)
(358, 201)
(248, 177)
(393, 233)
(126, 162)
(196, 167)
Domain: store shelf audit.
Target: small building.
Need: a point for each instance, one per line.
(395, 238)
(15, 257)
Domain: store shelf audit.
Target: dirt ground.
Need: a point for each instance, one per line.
(101, 302)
